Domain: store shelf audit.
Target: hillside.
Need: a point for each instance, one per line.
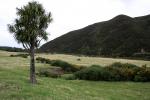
(120, 36)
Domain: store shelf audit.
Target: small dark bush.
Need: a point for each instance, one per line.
(12, 55)
(20, 55)
(64, 65)
(43, 60)
(53, 72)
(78, 59)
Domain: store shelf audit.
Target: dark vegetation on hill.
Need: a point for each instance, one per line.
(122, 36)
(11, 49)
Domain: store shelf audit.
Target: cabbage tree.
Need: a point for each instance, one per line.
(29, 28)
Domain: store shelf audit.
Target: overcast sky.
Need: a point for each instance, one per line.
(70, 15)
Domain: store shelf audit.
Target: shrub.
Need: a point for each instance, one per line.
(91, 73)
(119, 74)
(64, 65)
(79, 67)
(121, 71)
(11, 55)
(78, 59)
(53, 72)
(24, 55)
(142, 75)
(115, 72)
(43, 60)
(20, 55)
(122, 65)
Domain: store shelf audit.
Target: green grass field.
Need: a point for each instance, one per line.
(14, 83)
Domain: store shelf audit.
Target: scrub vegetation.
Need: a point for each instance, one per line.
(14, 85)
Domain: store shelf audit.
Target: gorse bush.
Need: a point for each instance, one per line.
(92, 73)
(115, 72)
(121, 72)
(59, 63)
(64, 65)
(78, 59)
(43, 60)
(20, 55)
(120, 65)
(142, 74)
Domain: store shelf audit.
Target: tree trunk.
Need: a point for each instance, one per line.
(32, 66)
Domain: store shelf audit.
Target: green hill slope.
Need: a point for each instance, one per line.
(120, 36)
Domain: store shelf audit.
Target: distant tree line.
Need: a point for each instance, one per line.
(12, 49)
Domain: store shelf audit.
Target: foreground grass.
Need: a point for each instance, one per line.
(14, 85)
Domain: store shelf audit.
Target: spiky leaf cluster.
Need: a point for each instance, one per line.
(30, 25)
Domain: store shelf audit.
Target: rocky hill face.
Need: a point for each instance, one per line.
(120, 36)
